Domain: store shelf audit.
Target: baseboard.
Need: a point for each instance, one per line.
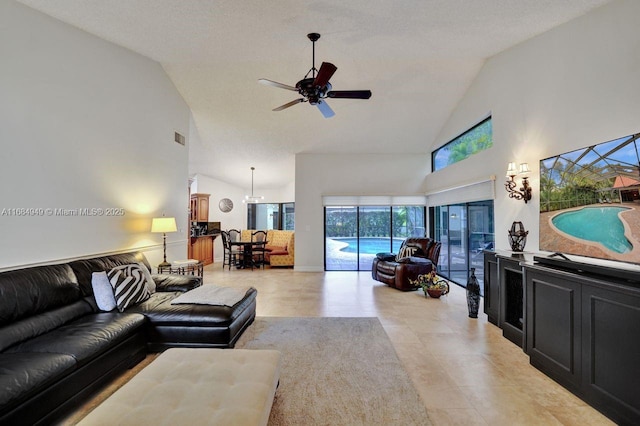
(308, 269)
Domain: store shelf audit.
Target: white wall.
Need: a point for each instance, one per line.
(85, 124)
(318, 175)
(569, 88)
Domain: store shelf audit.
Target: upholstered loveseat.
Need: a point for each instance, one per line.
(280, 247)
(416, 256)
(56, 346)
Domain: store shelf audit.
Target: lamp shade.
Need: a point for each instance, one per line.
(524, 168)
(511, 170)
(164, 224)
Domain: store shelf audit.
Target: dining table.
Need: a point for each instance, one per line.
(247, 252)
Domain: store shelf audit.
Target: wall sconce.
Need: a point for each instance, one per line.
(525, 190)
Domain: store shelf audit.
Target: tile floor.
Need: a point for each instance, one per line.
(463, 369)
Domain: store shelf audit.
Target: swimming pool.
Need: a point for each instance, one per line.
(369, 245)
(598, 224)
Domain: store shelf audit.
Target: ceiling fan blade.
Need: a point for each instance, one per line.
(325, 109)
(288, 104)
(324, 74)
(350, 94)
(276, 84)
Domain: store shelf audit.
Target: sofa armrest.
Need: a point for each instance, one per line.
(175, 282)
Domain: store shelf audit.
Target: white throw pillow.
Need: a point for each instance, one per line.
(151, 284)
(102, 291)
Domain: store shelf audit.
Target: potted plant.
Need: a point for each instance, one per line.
(431, 284)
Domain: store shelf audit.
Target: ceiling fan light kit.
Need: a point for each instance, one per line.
(316, 89)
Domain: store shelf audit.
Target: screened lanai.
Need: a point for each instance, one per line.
(605, 173)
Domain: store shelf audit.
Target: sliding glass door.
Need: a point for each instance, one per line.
(341, 236)
(374, 234)
(355, 234)
(464, 230)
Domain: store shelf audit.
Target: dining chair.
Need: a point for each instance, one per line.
(230, 253)
(234, 235)
(259, 250)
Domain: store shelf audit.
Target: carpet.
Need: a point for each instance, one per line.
(336, 371)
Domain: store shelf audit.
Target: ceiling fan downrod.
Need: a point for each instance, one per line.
(313, 37)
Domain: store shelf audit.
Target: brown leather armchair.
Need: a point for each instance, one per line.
(396, 272)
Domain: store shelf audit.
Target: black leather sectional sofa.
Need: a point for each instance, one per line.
(56, 347)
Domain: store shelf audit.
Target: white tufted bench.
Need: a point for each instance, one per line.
(196, 387)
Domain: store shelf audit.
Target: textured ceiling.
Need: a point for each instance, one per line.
(418, 57)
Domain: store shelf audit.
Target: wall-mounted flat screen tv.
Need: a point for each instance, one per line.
(590, 202)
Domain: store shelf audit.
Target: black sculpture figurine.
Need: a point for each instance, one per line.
(473, 294)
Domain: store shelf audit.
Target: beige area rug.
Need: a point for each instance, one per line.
(336, 371)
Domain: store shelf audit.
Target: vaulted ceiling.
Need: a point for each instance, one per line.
(418, 57)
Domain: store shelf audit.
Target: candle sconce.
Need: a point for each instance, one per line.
(524, 192)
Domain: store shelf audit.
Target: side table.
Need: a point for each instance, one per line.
(189, 269)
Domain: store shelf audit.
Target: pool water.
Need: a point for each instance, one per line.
(598, 224)
(369, 245)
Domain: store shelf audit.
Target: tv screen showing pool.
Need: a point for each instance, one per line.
(590, 202)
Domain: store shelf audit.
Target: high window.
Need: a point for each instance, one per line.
(476, 139)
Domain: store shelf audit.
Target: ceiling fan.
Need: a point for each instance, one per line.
(316, 89)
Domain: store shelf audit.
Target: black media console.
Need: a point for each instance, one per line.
(581, 327)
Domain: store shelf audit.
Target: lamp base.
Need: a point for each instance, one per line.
(164, 264)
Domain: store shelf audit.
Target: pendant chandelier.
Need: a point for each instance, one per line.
(252, 199)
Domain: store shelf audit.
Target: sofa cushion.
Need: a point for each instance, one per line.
(31, 291)
(86, 337)
(25, 374)
(129, 285)
(277, 252)
(28, 328)
(103, 292)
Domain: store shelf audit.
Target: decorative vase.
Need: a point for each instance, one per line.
(517, 236)
(434, 292)
(473, 294)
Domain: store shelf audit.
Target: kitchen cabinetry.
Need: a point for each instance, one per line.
(201, 248)
(199, 207)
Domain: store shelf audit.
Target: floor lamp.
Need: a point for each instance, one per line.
(164, 225)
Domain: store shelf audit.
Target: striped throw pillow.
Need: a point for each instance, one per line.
(129, 285)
